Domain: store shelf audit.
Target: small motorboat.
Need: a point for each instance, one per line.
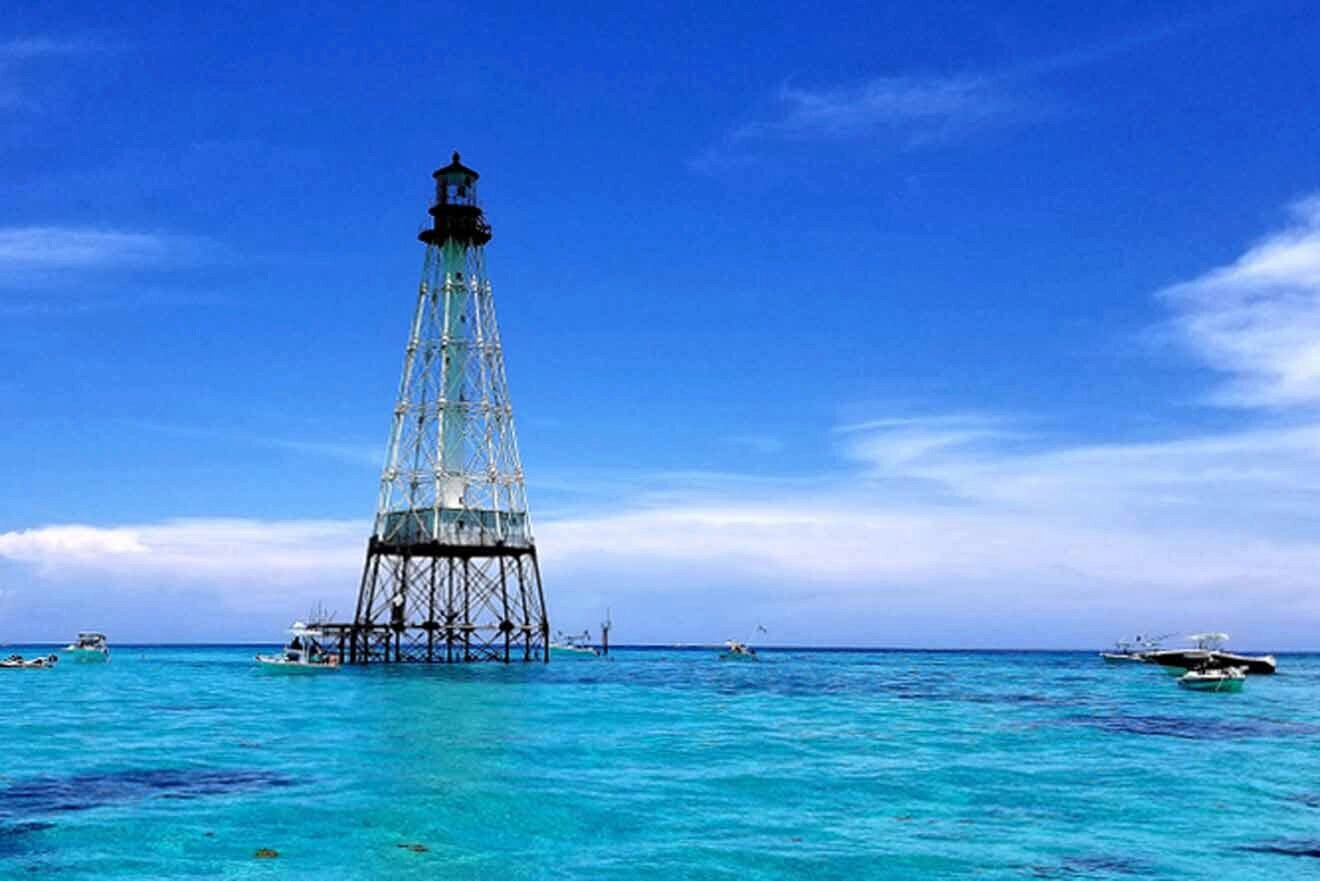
(1124, 652)
(1214, 679)
(303, 653)
(89, 647)
(738, 651)
(1127, 651)
(579, 646)
(18, 662)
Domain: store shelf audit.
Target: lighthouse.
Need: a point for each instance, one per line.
(451, 573)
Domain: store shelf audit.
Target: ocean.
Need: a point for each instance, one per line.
(189, 762)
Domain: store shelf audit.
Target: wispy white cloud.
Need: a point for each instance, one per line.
(44, 248)
(36, 303)
(21, 51)
(900, 112)
(37, 259)
(1252, 483)
(916, 109)
(911, 110)
(1258, 318)
(26, 48)
(893, 441)
(367, 455)
(363, 454)
(764, 444)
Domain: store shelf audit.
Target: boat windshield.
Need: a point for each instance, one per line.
(1208, 640)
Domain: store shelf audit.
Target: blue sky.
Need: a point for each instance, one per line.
(919, 324)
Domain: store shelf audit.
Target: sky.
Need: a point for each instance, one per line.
(947, 324)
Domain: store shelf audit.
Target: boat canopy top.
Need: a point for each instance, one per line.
(1208, 639)
(90, 634)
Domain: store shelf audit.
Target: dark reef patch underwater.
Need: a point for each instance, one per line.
(1094, 866)
(1309, 848)
(13, 836)
(1195, 727)
(81, 792)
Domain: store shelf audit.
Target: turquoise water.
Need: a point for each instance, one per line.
(183, 762)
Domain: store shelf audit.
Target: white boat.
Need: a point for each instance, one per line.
(738, 651)
(89, 646)
(1214, 679)
(579, 646)
(565, 650)
(1123, 653)
(1127, 651)
(302, 654)
(18, 662)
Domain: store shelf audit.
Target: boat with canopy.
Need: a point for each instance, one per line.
(302, 654)
(1127, 651)
(1207, 652)
(90, 646)
(572, 646)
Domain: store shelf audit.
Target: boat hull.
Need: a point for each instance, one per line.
(44, 663)
(1191, 659)
(1217, 685)
(1263, 665)
(271, 664)
(87, 656)
(568, 651)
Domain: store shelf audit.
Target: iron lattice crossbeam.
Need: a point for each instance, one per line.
(446, 605)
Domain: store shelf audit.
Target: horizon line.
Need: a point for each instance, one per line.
(682, 646)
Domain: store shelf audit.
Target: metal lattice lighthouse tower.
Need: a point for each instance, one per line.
(451, 571)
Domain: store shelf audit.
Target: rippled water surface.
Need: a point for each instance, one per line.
(185, 762)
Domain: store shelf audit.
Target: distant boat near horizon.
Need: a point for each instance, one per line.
(89, 647)
(302, 654)
(1133, 650)
(735, 650)
(564, 645)
(738, 651)
(18, 662)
